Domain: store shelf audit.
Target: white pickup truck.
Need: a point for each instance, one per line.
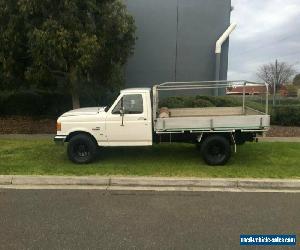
(136, 119)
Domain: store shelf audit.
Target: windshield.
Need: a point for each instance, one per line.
(113, 99)
(108, 106)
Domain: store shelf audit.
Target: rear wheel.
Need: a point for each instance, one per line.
(216, 150)
(82, 149)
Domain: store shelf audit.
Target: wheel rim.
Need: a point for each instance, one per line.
(81, 150)
(217, 151)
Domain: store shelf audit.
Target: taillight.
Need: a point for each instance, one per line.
(58, 126)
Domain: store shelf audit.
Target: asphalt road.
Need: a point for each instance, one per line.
(94, 219)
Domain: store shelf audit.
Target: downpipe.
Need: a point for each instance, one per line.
(218, 52)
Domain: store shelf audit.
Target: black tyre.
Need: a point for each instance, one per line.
(198, 146)
(82, 149)
(216, 150)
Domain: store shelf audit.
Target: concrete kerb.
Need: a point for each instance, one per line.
(156, 182)
(60, 180)
(171, 182)
(269, 184)
(5, 179)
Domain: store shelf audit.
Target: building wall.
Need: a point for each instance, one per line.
(176, 40)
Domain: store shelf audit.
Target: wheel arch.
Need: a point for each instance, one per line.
(226, 135)
(79, 132)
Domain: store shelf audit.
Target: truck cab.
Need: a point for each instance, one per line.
(127, 122)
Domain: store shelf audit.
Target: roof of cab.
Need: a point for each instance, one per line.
(136, 90)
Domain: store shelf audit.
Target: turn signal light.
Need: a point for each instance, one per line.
(58, 126)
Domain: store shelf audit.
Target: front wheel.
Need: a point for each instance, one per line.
(216, 150)
(82, 149)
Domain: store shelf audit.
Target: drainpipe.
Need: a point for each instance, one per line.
(218, 52)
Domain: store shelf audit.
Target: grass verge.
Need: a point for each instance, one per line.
(258, 160)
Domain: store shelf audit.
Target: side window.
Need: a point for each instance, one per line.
(133, 104)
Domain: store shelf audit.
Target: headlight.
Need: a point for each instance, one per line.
(58, 126)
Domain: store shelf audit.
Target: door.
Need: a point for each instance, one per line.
(134, 127)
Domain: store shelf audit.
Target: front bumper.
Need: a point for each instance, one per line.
(60, 139)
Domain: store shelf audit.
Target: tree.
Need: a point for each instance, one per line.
(276, 74)
(13, 56)
(73, 43)
(296, 80)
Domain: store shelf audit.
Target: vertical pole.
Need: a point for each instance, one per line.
(217, 73)
(244, 97)
(154, 105)
(267, 99)
(275, 82)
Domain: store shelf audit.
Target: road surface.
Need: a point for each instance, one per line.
(95, 219)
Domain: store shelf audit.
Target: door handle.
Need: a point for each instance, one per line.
(142, 118)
